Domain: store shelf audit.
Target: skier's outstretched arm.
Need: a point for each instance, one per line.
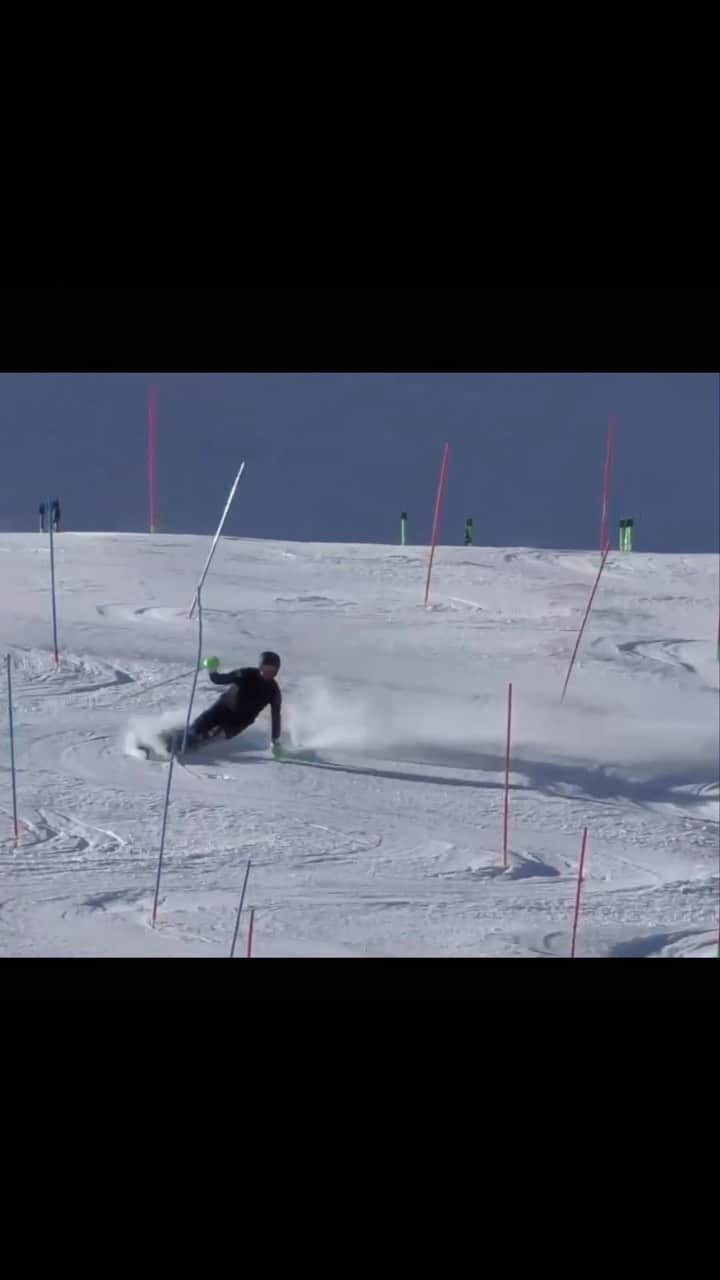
(228, 677)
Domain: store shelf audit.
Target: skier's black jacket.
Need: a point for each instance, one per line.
(248, 695)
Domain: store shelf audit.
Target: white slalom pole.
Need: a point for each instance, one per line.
(52, 590)
(197, 668)
(215, 539)
(162, 838)
(12, 748)
(239, 910)
(172, 757)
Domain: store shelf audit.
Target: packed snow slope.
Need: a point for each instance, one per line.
(388, 841)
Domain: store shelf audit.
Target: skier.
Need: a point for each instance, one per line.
(251, 689)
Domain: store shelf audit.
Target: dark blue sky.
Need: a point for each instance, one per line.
(336, 457)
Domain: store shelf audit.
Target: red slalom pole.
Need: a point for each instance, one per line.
(152, 428)
(577, 896)
(507, 777)
(251, 930)
(582, 628)
(436, 519)
(605, 516)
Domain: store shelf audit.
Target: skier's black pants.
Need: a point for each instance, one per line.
(217, 718)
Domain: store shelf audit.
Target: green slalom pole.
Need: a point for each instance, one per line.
(468, 531)
(403, 528)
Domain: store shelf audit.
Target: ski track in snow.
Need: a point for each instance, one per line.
(387, 841)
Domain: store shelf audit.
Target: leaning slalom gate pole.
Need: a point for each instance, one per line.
(151, 455)
(436, 519)
(605, 514)
(251, 931)
(216, 539)
(52, 591)
(582, 628)
(507, 778)
(198, 599)
(239, 910)
(581, 872)
(162, 838)
(16, 828)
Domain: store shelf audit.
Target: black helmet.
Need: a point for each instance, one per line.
(269, 659)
